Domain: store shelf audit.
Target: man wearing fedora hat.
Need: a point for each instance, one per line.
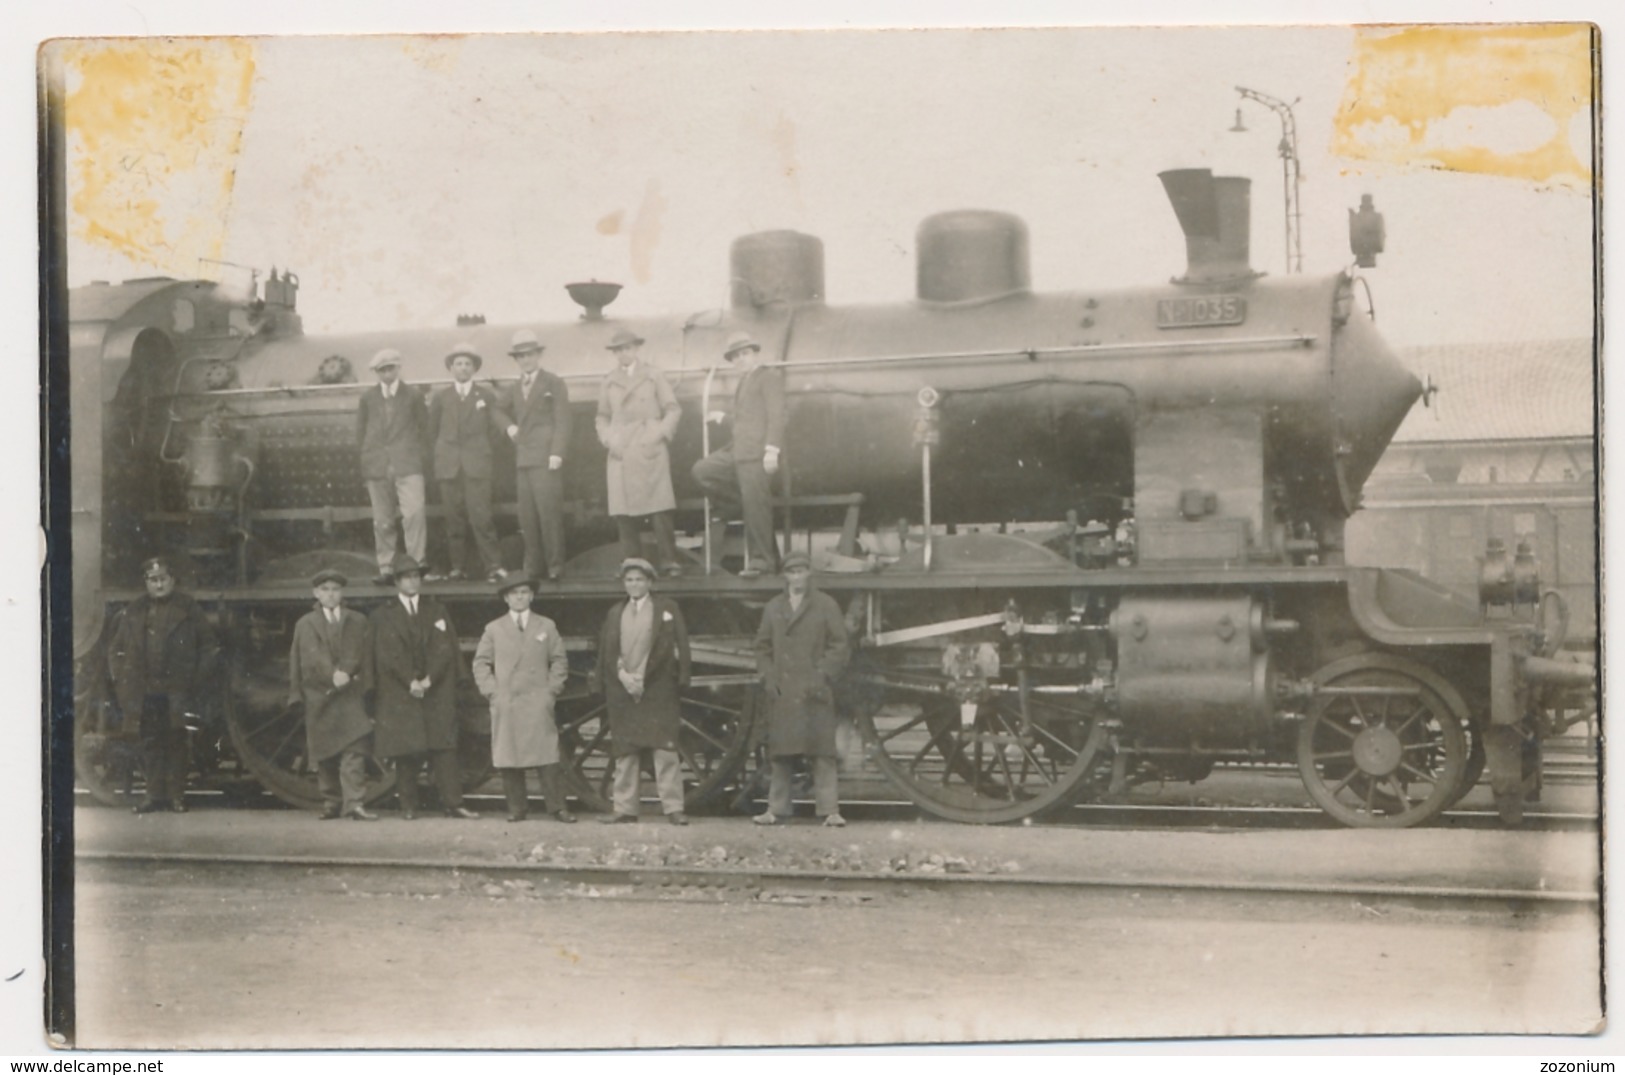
(416, 666)
(391, 429)
(520, 667)
(742, 472)
(463, 417)
(537, 413)
(327, 676)
(801, 648)
(637, 418)
(643, 662)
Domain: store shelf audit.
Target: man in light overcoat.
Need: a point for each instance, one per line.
(329, 669)
(801, 648)
(416, 668)
(637, 418)
(521, 667)
(643, 662)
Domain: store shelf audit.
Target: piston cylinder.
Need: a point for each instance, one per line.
(1193, 668)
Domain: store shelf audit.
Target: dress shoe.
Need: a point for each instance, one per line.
(360, 813)
(673, 571)
(750, 572)
(496, 575)
(434, 576)
(619, 819)
(462, 812)
(565, 816)
(515, 818)
(178, 807)
(678, 818)
(457, 575)
(409, 815)
(385, 579)
(766, 817)
(834, 821)
(149, 807)
(330, 812)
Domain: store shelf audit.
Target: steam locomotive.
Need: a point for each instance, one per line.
(1084, 538)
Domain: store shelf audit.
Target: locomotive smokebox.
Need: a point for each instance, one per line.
(776, 267)
(1215, 214)
(971, 255)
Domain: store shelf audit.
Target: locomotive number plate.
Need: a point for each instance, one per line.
(1199, 311)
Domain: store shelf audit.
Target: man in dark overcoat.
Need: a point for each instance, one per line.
(520, 667)
(537, 414)
(328, 669)
(160, 656)
(801, 648)
(392, 431)
(416, 666)
(742, 472)
(462, 421)
(643, 662)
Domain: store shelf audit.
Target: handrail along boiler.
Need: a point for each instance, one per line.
(1104, 529)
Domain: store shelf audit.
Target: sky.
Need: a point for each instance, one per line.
(407, 180)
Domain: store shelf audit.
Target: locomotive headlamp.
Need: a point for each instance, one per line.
(1366, 233)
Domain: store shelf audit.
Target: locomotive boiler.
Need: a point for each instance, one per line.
(1083, 538)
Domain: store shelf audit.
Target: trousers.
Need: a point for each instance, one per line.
(631, 535)
(448, 784)
(826, 775)
(468, 509)
(517, 797)
(747, 484)
(392, 496)
(541, 521)
(668, 782)
(342, 779)
(163, 750)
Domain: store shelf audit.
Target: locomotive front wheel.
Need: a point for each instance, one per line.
(1384, 745)
(991, 770)
(711, 745)
(105, 763)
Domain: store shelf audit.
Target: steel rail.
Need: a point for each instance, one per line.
(714, 877)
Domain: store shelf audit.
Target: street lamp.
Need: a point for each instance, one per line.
(1289, 168)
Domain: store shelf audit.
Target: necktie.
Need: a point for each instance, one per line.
(519, 619)
(462, 391)
(530, 379)
(412, 607)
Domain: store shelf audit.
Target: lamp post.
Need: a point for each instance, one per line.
(1289, 168)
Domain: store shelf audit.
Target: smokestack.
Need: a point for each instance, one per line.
(1214, 214)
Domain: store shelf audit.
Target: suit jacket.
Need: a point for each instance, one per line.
(185, 651)
(543, 420)
(461, 431)
(758, 418)
(404, 649)
(654, 720)
(521, 676)
(335, 717)
(392, 434)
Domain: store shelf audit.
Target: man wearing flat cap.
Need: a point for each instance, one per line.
(637, 418)
(537, 411)
(801, 648)
(416, 666)
(520, 667)
(643, 662)
(391, 429)
(463, 419)
(742, 472)
(328, 671)
(160, 654)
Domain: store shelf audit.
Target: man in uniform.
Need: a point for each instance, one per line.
(416, 668)
(327, 668)
(637, 418)
(537, 412)
(391, 429)
(800, 648)
(643, 662)
(520, 667)
(742, 472)
(160, 654)
(462, 418)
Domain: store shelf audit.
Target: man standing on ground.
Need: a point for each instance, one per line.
(160, 654)
(801, 648)
(520, 667)
(327, 675)
(391, 429)
(637, 418)
(416, 668)
(462, 419)
(643, 662)
(537, 411)
(742, 472)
